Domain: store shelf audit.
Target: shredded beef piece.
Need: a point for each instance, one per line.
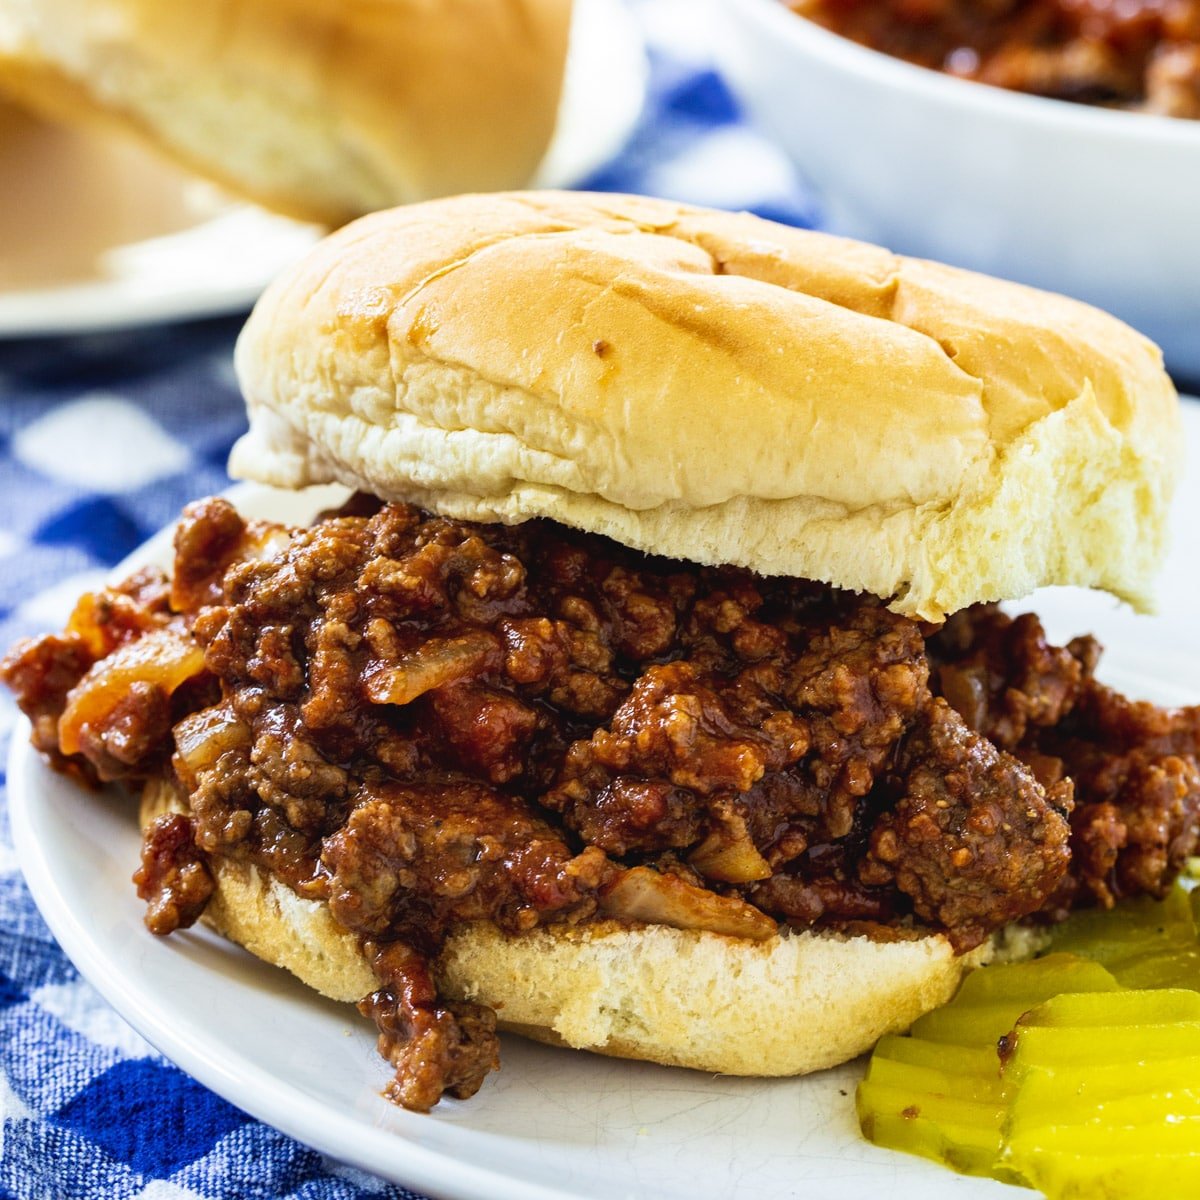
(975, 840)
(434, 1047)
(173, 879)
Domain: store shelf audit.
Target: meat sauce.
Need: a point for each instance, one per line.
(424, 722)
(1135, 54)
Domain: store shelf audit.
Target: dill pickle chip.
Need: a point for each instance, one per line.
(886, 1072)
(1111, 934)
(1063, 1176)
(990, 1000)
(1153, 1007)
(1097, 1045)
(972, 1025)
(1068, 1092)
(1170, 967)
(951, 1110)
(980, 1061)
(969, 1149)
(1145, 1112)
(1181, 1136)
(1031, 982)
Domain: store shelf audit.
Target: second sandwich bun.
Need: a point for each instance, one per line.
(322, 109)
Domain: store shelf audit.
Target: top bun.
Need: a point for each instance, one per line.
(323, 109)
(718, 388)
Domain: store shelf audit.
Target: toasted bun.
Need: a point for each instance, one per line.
(718, 388)
(794, 1004)
(324, 109)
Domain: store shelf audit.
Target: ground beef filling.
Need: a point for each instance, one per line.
(425, 722)
(1136, 54)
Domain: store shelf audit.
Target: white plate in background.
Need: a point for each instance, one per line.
(97, 233)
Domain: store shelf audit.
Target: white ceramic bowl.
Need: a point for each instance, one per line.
(1100, 204)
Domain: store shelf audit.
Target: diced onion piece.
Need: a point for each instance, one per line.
(434, 664)
(965, 691)
(729, 854)
(165, 657)
(104, 620)
(641, 894)
(85, 624)
(200, 739)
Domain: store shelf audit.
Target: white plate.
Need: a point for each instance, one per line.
(116, 238)
(551, 1124)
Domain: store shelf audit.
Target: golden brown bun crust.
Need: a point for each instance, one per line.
(323, 109)
(719, 388)
(787, 1006)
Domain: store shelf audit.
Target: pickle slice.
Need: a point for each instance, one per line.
(1099, 1137)
(885, 1072)
(1173, 966)
(1145, 1113)
(953, 1110)
(1108, 935)
(1065, 1176)
(1072, 1093)
(992, 999)
(971, 1025)
(960, 1132)
(1080, 1009)
(981, 1061)
(1095, 1091)
(1098, 1045)
(1032, 982)
(968, 1149)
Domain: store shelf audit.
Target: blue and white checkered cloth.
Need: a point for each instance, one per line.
(102, 440)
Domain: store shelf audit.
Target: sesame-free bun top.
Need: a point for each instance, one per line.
(323, 109)
(718, 388)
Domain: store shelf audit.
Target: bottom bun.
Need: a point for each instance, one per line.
(796, 1003)
(686, 998)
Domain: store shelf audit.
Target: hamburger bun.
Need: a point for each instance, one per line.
(321, 109)
(719, 389)
(883, 424)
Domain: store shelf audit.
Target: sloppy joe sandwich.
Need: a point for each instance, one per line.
(649, 693)
(322, 109)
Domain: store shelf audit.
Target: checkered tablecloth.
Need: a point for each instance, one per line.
(102, 440)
